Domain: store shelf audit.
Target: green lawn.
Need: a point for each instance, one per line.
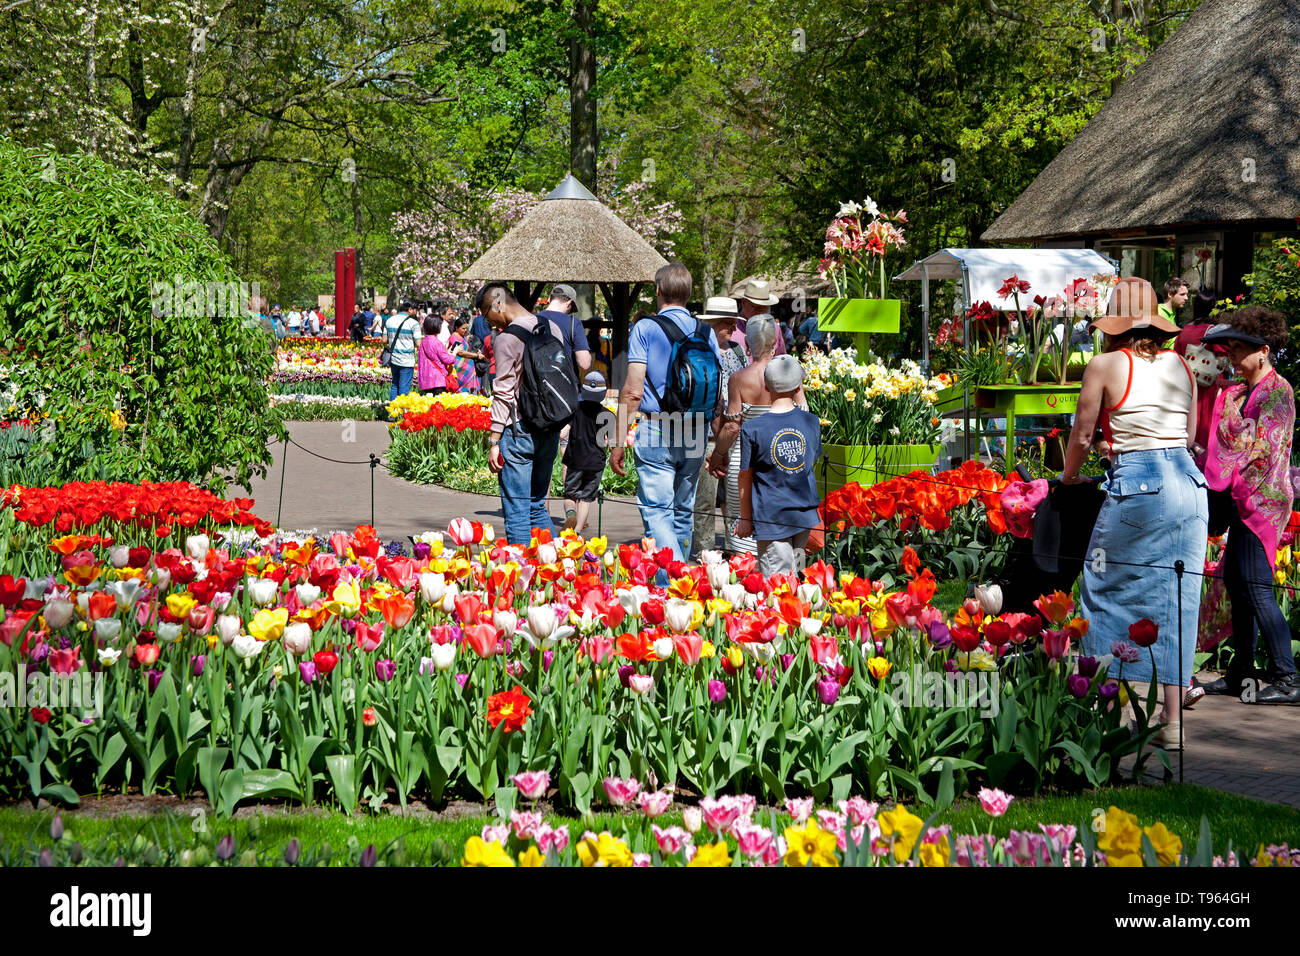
(24, 833)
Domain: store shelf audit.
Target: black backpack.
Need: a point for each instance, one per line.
(547, 395)
(694, 374)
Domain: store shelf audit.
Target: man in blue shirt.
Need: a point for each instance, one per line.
(561, 309)
(668, 449)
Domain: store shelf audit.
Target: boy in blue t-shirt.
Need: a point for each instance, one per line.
(778, 455)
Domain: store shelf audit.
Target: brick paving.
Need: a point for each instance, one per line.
(1247, 749)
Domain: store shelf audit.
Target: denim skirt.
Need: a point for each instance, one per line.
(1155, 514)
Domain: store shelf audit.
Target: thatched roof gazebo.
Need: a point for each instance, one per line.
(1199, 149)
(571, 236)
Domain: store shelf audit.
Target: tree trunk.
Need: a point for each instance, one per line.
(583, 137)
(706, 249)
(729, 271)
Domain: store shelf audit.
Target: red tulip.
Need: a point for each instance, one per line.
(1056, 644)
(12, 590)
(689, 647)
(965, 637)
(325, 660)
(482, 638)
(823, 649)
(1143, 633)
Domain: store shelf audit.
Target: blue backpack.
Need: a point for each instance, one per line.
(694, 375)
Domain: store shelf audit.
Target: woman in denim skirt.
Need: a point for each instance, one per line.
(1143, 397)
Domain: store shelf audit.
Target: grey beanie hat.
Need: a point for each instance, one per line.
(783, 375)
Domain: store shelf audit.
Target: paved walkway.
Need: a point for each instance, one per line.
(1246, 749)
(326, 496)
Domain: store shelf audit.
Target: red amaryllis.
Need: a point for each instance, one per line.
(509, 709)
(1143, 633)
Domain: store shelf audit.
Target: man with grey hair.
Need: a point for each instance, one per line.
(778, 481)
(670, 443)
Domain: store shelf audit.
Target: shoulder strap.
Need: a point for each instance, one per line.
(670, 328)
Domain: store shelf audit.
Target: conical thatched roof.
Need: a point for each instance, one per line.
(568, 237)
(1170, 147)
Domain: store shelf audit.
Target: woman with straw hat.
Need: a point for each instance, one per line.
(1143, 396)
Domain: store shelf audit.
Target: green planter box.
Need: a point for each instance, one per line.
(859, 315)
(871, 464)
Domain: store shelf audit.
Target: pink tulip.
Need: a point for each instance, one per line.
(772, 856)
(369, 636)
(525, 823)
(497, 833)
(621, 792)
(832, 821)
(1056, 644)
(670, 840)
(692, 819)
(640, 684)
(339, 543)
(642, 859)
(552, 838)
(461, 531)
(720, 815)
(654, 804)
(994, 802)
(752, 841)
(532, 783)
(66, 662)
(859, 811)
(799, 808)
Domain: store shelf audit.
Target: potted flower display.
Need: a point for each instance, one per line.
(857, 241)
(1048, 327)
(877, 422)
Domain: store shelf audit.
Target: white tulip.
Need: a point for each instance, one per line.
(678, 615)
(119, 555)
(632, 598)
(507, 622)
(541, 622)
(990, 598)
(108, 628)
(719, 574)
(608, 559)
(307, 594)
(710, 558)
(810, 594)
(227, 627)
(811, 626)
(262, 591)
(443, 656)
(197, 545)
(762, 653)
(432, 586)
(297, 638)
(125, 592)
(664, 648)
(449, 598)
(546, 553)
(35, 589)
(108, 656)
(734, 594)
(169, 633)
(161, 577)
(246, 646)
(57, 612)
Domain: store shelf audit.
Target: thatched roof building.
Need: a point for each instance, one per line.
(1199, 149)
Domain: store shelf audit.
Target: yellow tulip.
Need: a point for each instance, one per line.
(707, 649)
(1168, 846)
(878, 667)
(532, 857)
(598, 545)
(267, 624)
(181, 604)
(735, 657)
(346, 600)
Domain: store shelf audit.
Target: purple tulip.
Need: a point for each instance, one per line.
(293, 849)
(349, 626)
(786, 661)
(1078, 685)
(717, 691)
(421, 551)
(225, 847)
(626, 671)
(950, 665)
(1109, 690)
(547, 657)
(198, 662)
(385, 669)
(828, 689)
(369, 856)
(462, 680)
(154, 677)
(1088, 666)
(506, 645)
(307, 671)
(939, 634)
(39, 652)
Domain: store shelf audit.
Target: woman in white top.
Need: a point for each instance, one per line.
(1144, 399)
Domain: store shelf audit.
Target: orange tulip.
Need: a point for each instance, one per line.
(397, 609)
(1056, 607)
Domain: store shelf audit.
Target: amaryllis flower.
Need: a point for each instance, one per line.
(621, 792)
(1144, 633)
(994, 802)
(1012, 286)
(532, 784)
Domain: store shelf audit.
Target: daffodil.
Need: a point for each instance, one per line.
(903, 827)
(711, 854)
(810, 845)
(603, 849)
(1168, 846)
(532, 857)
(480, 852)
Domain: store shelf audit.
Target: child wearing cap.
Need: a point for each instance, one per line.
(584, 458)
(778, 485)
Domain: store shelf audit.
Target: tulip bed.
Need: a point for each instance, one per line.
(331, 367)
(339, 669)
